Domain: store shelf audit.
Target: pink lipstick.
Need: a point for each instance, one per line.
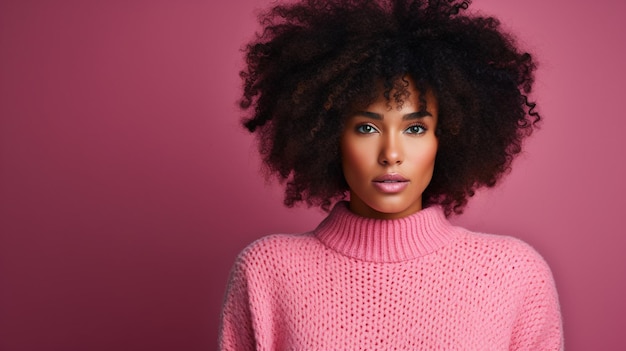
(390, 183)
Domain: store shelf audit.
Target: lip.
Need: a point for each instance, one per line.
(390, 183)
(390, 177)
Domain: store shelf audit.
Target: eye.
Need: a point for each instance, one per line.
(366, 129)
(416, 129)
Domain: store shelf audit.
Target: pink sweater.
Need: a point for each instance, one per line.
(416, 283)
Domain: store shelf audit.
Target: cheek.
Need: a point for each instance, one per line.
(424, 157)
(349, 163)
(431, 154)
(355, 159)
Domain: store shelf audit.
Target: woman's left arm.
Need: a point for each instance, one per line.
(538, 325)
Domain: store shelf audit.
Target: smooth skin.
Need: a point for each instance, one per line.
(388, 155)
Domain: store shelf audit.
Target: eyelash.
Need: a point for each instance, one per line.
(360, 129)
(420, 126)
(371, 129)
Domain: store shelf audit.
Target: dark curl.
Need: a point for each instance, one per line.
(316, 60)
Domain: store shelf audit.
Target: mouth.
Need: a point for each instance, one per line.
(390, 183)
(390, 178)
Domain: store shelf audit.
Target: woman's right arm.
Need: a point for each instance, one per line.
(236, 331)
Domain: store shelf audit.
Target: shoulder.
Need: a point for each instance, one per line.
(506, 252)
(502, 265)
(514, 269)
(504, 244)
(271, 249)
(278, 242)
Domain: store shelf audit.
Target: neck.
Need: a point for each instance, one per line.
(360, 208)
(385, 240)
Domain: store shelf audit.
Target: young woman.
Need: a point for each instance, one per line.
(392, 113)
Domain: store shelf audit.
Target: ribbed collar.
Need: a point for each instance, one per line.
(384, 240)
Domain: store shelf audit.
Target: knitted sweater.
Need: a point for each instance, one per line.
(415, 283)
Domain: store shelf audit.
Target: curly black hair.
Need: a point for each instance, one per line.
(315, 60)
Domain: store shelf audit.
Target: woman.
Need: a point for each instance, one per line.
(403, 108)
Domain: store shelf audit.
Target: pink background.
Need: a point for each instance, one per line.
(127, 186)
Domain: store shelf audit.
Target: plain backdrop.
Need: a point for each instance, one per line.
(127, 186)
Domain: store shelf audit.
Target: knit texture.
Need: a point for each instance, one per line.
(415, 283)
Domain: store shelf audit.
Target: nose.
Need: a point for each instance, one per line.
(391, 152)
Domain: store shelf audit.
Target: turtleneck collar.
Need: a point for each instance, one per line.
(385, 240)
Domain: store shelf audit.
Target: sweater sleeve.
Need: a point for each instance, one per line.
(236, 330)
(538, 326)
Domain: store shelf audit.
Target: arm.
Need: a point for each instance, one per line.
(236, 331)
(538, 326)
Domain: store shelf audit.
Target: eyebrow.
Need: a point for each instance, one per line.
(408, 116)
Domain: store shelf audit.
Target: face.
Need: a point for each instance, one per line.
(388, 155)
